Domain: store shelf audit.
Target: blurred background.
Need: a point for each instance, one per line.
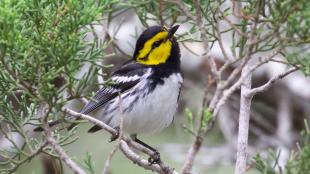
(277, 116)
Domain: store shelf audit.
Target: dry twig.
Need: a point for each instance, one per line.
(43, 114)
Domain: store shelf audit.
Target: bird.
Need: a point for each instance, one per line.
(146, 88)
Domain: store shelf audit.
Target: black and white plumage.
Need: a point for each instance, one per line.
(148, 102)
(146, 93)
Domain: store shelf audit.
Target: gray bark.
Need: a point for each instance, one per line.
(244, 119)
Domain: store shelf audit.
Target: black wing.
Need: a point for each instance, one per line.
(121, 82)
(118, 86)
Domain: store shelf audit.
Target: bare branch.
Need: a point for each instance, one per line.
(244, 119)
(232, 25)
(245, 108)
(144, 163)
(200, 23)
(227, 93)
(90, 119)
(273, 80)
(106, 168)
(246, 99)
(43, 113)
(123, 144)
(191, 154)
(219, 37)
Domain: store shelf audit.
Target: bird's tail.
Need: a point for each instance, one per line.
(54, 123)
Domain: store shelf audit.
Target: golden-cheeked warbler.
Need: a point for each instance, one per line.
(147, 87)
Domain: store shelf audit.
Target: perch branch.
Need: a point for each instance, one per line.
(124, 145)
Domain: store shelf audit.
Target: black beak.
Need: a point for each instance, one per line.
(172, 31)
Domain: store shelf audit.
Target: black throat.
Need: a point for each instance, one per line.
(160, 72)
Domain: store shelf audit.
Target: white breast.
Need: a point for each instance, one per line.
(151, 112)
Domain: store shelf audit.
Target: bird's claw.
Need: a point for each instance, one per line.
(155, 158)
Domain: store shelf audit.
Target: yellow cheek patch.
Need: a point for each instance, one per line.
(149, 56)
(159, 55)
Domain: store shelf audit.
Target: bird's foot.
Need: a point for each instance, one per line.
(115, 136)
(155, 158)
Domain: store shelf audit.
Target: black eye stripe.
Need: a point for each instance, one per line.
(157, 43)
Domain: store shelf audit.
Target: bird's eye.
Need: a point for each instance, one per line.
(156, 44)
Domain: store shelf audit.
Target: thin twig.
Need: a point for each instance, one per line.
(273, 80)
(32, 155)
(228, 92)
(107, 164)
(184, 9)
(219, 36)
(191, 154)
(195, 147)
(90, 119)
(43, 114)
(232, 25)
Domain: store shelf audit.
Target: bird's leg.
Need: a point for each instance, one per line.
(155, 158)
(114, 137)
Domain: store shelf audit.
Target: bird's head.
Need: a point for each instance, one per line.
(157, 45)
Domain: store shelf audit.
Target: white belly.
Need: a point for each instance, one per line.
(150, 112)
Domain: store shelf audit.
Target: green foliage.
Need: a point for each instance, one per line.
(89, 163)
(191, 126)
(206, 118)
(299, 162)
(298, 31)
(300, 56)
(41, 41)
(42, 47)
(269, 165)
